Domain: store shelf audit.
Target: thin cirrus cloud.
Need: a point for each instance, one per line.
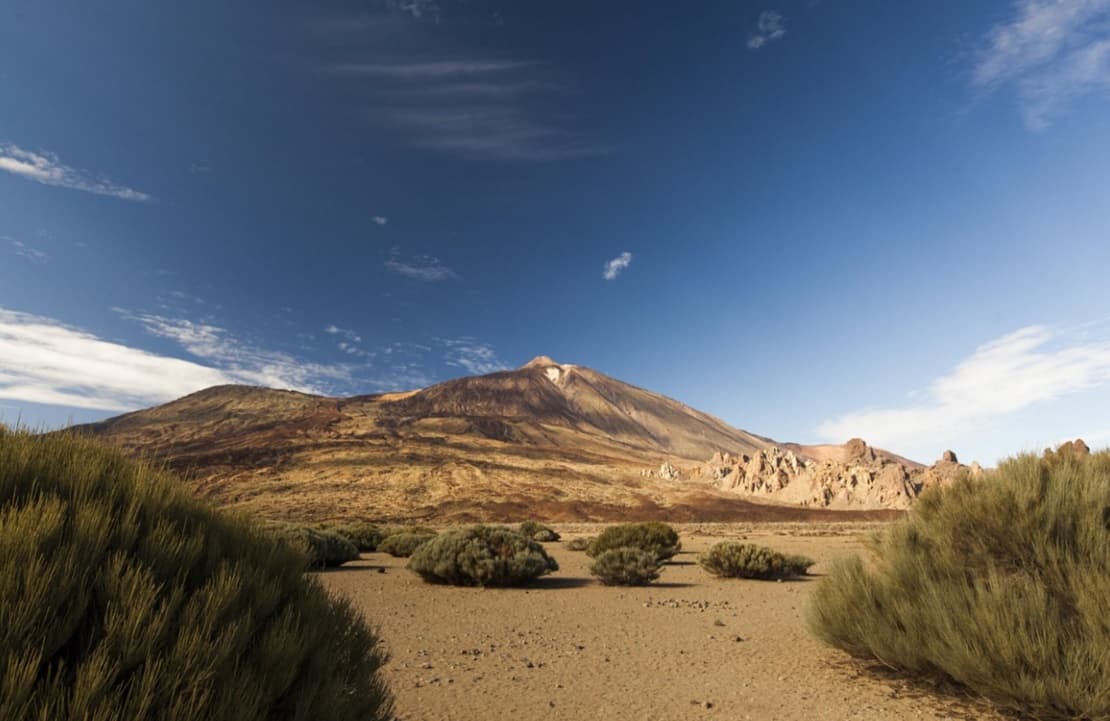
(614, 267)
(25, 251)
(471, 355)
(380, 220)
(768, 28)
(474, 107)
(427, 268)
(1031, 365)
(1049, 54)
(47, 168)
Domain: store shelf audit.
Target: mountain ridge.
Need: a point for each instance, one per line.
(560, 437)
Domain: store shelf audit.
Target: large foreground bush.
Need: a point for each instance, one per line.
(1001, 584)
(122, 598)
(626, 567)
(482, 556)
(657, 538)
(730, 559)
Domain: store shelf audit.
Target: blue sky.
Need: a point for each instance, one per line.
(815, 220)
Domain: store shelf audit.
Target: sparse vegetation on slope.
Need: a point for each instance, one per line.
(659, 539)
(482, 556)
(402, 545)
(626, 567)
(122, 597)
(730, 559)
(1001, 584)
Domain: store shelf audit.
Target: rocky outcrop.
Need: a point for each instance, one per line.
(866, 479)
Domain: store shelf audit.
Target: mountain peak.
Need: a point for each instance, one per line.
(540, 361)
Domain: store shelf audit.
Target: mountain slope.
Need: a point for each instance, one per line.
(547, 439)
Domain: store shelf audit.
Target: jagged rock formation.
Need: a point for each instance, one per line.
(864, 478)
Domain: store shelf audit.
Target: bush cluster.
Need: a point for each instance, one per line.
(579, 544)
(730, 559)
(538, 532)
(365, 536)
(123, 598)
(481, 556)
(323, 548)
(626, 567)
(402, 545)
(1000, 583)
(659, 539)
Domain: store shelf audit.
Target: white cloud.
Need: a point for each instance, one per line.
(47, 169)
(614, 267)
(421, 267)
(1051, 52)
(44, 361)
(380, 219)
(418, 9)
(239, 359)
(473, 356)
(1001, 377)
(25, 251)
(350, 335)
(768, 28)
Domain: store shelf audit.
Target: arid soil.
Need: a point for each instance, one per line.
(688, 647)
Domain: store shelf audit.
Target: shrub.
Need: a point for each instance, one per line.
(123, 597)
(402, 545)
(657, 538)
(365, 536)
(324, 549)
(579, 544)
(1000, 583)
(538, 532)
(626, 567)
(730, 559)
(482, 556)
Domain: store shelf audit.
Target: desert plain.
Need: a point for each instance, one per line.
(689, 646)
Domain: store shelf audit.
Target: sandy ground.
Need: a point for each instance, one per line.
(688, 647)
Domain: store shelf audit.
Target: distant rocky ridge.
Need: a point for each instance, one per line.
(840, 477)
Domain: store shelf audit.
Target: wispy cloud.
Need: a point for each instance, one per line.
(25, 251)
(240, 359)
(346, 333)
(418, 9)
(614, 267)
(44, 361)
(46, 168)
(380, 219)
(1050, 53)
(420, 267)
(476, 107)
(1031, 365)
(472, 355)
(768, 28)
(435, 70)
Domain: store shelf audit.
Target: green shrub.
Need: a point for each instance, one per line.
(365, 536)
(482, 556)
(123, 597)
(1000, 583)
(325, 549)
(579, 544)
(402, 545)
(538, 532)
(626, 567)
(730, 559)
(657, 538)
